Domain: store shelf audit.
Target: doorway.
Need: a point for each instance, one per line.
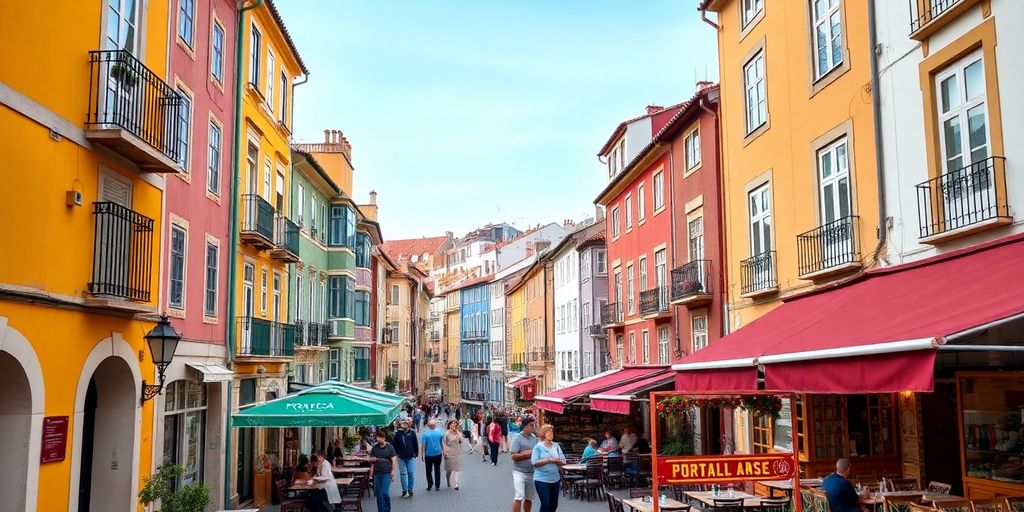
(940, 433)
(16, 424)
(108, 439)
(245, 464)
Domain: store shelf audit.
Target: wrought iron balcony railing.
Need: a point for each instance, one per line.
(540, 356)
(257, 221)
(122, 257)
(264, 338)
(654, 301)
(435, 336)
(611, 314)
(598, 330)
(452, 371)
(287, 237)
(963, 198)
(757, 274)
(922, 12)
(300, 333)
(691, 280)
(830, 246)
(316, 334)
(126, 95)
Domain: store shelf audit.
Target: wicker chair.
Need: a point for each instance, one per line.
(939, 487)
(917, 507)
(1015, 504)
(806, 499)
(953, 506)
(894, 504)
(903, 484)
(992, 505)
(820, 500)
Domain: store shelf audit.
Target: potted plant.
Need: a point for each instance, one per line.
(159, 487)
(121, 71)
(390, 384)
(692, 286)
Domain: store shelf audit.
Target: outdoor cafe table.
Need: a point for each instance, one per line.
(875, 498)
(574, 467)
(342, 482)
(350, 470)
(639, 505)
(708, 498)
(786, 486)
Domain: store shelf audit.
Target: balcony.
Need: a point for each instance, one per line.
(757, 275)
(287, 237)
(540, 356)
(133, 112)
(122, 259)
(310, 335)
(829, 249)
(598, 331)
(257, 222)
(691, 284)
(654, 302)
(611, 314)
(928, 16)
(964, 201)
(263, 338)
(435, 336)
(451, 372)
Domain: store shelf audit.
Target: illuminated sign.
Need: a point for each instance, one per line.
(708, 469)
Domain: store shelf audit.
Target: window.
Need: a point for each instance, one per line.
(756, 100)
(176, 285)
(692, 144)
(276, 313)
(300, 204)
(602, 262)
(334, 360)
(361, 304)
(282, 112)
(393, 332)
(963, 123)
(663, 345)
(343, 227)
(700, 332)
(184, 426)
(252, 156)
(263, 291)
(629, 212)
(659, 190)
(210, 295)
(615, 222)
(217, 53)
(618, 295)
(834, 183)
(341, 296)
(213, 164)
(186, 20)
(632, 347)
(268, 194)
(184, 128)
(759, 201)
(643, 273)
(750, 10)
(695, 229)
(828, 36)
(762, 433)
(255, 44)
(395, 294)
(362, 250)
(618, 349)
(646, 343)
(270, 78)
(640, 203)
(631, 290)
(362, 364)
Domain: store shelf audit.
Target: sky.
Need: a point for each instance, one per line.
(462, 113)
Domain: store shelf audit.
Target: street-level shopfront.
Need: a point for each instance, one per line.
(878, 363)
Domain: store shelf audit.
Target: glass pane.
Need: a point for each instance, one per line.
(171, 439)
(951, 136)
(828, 196)
(844, 197)
(837, 38)
(949, 93)
(755, 242)
(766, 234)
(765, 200)
(826, 165)
(822, 47)
(974, 79)
(978, 133)
(819, 9)
(754, 210)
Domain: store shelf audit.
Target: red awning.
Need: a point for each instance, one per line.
(526, 386)
(872, 334)
(617, 399)
(556, 401)
(520, 381)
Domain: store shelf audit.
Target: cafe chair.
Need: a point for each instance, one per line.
(352, 495)
(593, 481)
(570, 480)
(898, 504)
(806, 499)
(643, 473)
(903, 484)
(617, 502)
(615, 471)
(992, 505)
(727, 505)
(1015, 504)
(282, 497)
(939, 487)
(918, 507)
(639, 492)
(953, 506)
(820, 500)
(774, 505)
(610, 499)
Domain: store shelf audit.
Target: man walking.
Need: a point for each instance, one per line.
(383, 456)
(521, 449)
(430, 448)
(407, 447)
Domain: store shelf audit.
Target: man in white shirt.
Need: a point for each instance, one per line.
(628, 440)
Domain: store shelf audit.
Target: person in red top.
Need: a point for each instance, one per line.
(494, 440)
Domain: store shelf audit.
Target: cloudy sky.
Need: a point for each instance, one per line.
(466, 112)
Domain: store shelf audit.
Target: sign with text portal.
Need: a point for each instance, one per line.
(709, 469)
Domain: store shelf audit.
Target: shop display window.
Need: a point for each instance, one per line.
(992, 408)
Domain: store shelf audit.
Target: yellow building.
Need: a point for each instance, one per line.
(404, 328)
(797, 139)
(452, 348)
(263, 336)
(86, 150)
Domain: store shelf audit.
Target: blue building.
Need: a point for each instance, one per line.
(475, 343)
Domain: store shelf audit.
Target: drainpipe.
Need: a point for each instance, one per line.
(233, 248)
(704, 17)
(672, 233)
(724, 327)
(876, 110)
(291, 114)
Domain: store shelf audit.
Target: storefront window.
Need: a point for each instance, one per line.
(184, 426)
(762, 434)
(829, 428)
(992, 409)
(782, 438)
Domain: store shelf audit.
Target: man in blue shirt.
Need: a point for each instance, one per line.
(407, 447)
(430, 446)
(841, 495)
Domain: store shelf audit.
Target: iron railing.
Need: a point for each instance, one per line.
(123, 92)
(964, 197)
(757, 273)
(261, 337)
(287, 235)
(435, 336)
(317, 334)
(598, 330)
(654, 301)
(257, 216)
(828, 246)
(693, 278)
(922, 12)
(122, 256)
(300, 333)
(451, 371)
(540, 355)
(611, 314)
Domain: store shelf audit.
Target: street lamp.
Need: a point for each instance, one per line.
(163, 341)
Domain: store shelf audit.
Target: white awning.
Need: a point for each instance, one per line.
(212, 372)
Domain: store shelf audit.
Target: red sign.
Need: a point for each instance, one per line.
(528, 391)
(55, 438)
(709, 469)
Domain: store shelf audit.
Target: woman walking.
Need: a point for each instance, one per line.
(453, 440)
(547, 458)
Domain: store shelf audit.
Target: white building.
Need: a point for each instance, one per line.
(952, 177)
(567, 314)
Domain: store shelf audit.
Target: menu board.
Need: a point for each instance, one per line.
(55, 438)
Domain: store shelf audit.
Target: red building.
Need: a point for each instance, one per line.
(663, 216)
(197, 234)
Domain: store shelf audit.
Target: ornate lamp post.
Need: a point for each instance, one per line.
(163, 341)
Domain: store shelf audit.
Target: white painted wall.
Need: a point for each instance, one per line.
(497, 291)
(903, 121)
(567, 313)
(516, 250)
(638, 136)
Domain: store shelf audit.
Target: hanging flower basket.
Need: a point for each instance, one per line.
(760, 405)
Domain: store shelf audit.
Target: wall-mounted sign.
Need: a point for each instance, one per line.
(709, 469)
(55, 439)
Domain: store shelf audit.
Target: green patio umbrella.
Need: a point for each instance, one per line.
(331, 404)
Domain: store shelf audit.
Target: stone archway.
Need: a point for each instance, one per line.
(108, 438)
(22, 404)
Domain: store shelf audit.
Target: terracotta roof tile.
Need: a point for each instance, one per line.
(396, 248)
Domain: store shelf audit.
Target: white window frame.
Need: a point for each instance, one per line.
(830, 23)
(271, 64)
(957, 71)
(185, 116)
(180, 305)
(758, 221)
(632, 347)
(255, 43)
(631, 289)
(830, 187)
(640, 204)
(615, 222)
(396, 294)
(282, 111)
(217, 40)
(645, 340)
(602, 262)
(692, 144)
(642, 263)
(756, 94)
(749, 9)
(629, 211)
(619, 354)
(186, 22)
(214, 157)
(263, 291)
(663, 345)
(699, 331)
(208, 285)
(658, 188)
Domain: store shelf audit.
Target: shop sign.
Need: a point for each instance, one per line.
(55, 439)
(310, 407)
(707, 469)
